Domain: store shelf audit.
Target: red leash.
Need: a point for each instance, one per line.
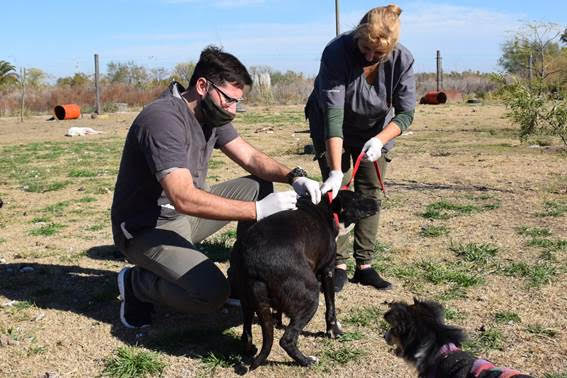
(347, 186)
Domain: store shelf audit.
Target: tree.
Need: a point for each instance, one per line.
(7, 73)
(127, 73)
(35, 78)
(535, 40)
(78, 80)
(564, 36)
(536, 109)
(182, 72)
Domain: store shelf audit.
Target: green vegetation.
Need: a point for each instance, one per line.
(533, 231)
(507, 317)
(538, 329)
(431, 231)
(343, 354)
(479, 253)
(553, 209)
(447, 210)
(537, 275)
(47, 230)
(485, 341)
(132, 362)
(368, 316)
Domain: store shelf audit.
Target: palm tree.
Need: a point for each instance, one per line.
(7, 72)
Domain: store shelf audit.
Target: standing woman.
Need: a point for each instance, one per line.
(364, 97)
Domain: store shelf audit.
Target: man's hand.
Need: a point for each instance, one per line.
(333, 183)
(373, 149)
(274, 203)
(303, 185)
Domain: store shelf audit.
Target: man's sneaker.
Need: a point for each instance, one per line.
(370, 277)
(340, 278)
(133, 312)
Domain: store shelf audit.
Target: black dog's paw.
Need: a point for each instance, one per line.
(335, 331)
(308, 361)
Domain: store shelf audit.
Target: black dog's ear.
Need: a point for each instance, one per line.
(430, 309)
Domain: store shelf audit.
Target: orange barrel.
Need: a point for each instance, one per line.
(434, 98)
(68, 111)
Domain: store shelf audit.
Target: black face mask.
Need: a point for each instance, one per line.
(213, 114)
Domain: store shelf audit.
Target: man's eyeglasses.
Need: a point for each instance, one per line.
(228, 100)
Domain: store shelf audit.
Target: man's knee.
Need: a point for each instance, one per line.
(209, 286)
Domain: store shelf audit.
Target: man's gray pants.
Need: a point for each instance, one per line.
(169, 270)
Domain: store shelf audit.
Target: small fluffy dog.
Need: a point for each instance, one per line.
(279, 263)
(421, 337)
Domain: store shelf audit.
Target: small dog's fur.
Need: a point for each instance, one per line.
(421, 338)
(279, 262)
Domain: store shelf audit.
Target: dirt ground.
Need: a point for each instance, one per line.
(473, 218)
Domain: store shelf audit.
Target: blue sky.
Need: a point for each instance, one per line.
(61, 36)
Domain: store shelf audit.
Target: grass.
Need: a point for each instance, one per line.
(47, 230)
(133, 362)
(212, 361)
(555, 375)
(364, 317)
(548, 244)
(438, 273)
(478, 253)
(35, 350)
(81, 173)
(538, 329)
(447, 210)
(537, 275)
(490, 339)
(218, 248)
(507, 317)
(350, 336)
(533, 232)
(453, 314)
(343, 354)
(431, 231)
(553, 209)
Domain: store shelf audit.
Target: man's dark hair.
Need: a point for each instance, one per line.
(220, 67)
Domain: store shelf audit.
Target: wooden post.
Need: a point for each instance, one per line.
(97, 85)
(337, 26)
(439, 72)
(23, 82)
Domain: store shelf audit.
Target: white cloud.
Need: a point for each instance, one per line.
(468, 37)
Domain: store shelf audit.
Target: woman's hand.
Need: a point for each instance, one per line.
(373, 149)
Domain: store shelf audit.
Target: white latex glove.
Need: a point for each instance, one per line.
(303, 185)
(333, 183)
(373, 149)
(275, 202)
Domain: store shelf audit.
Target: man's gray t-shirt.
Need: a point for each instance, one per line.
(342, 85)
(164, 135)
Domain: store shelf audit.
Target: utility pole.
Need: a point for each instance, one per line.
(97, 85)
(439, 72)
(23, 82)
(337, 26)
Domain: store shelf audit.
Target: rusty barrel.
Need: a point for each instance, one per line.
(434, 98)
(67, 111)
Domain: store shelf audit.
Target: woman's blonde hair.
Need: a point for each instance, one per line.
(379, 29)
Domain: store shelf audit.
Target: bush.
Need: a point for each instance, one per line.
(536, 108)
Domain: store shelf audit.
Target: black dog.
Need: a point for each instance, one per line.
(423, 339)
(279, 262)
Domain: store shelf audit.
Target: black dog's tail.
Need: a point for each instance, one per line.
(260, 292)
